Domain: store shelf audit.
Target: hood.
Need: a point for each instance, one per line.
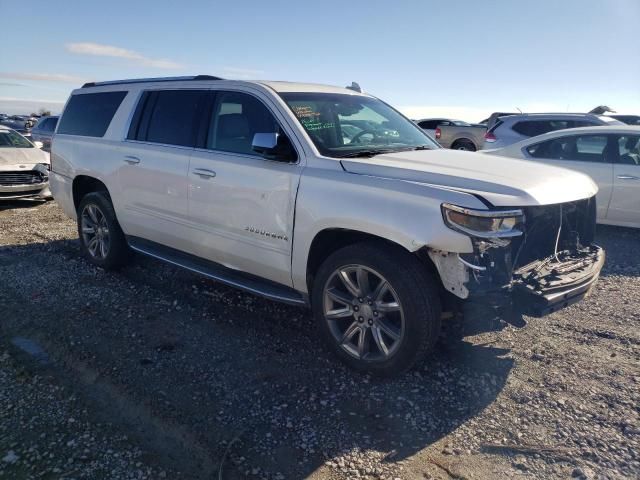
(503, 182)
(22, 156)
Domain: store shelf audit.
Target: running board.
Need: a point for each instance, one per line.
(217, 272)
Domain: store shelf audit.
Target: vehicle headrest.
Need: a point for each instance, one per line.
(233, 125)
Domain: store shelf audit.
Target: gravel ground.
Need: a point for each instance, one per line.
(154, 372)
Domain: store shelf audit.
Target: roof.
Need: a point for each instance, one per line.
(621, 129)
(520, 116)
(278, 86)
(284, 87)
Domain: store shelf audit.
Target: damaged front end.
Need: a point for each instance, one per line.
(533, 260)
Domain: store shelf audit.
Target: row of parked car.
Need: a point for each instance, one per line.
(39, 128)
(503, 129)
(606, 148)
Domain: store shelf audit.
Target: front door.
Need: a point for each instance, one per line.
(240, 204)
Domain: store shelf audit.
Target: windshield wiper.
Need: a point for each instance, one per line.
(422, 147)
(365, 153)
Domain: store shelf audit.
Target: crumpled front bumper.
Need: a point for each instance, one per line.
(553, 283)
(33, 187)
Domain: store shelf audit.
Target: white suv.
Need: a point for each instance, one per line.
(320, 196)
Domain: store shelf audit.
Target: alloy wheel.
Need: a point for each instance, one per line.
(95, 231)
(363, 312)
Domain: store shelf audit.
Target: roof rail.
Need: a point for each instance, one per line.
(157, 79)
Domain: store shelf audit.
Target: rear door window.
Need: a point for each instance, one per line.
(90, 114)
(429, 124)
(628, 149)
(533, 128)
(580, 148)
(168, 116)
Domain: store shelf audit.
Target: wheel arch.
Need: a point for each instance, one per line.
(83, 184)
(463, 139)
(329, 240)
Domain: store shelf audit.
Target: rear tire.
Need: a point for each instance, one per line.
(466, 145)
(101, 238)
(382, 329)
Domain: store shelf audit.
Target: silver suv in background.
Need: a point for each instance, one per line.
(515, 128)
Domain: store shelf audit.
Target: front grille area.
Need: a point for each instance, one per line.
(29, 177)
(578, 220)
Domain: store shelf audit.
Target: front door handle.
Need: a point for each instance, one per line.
(131, 160)
(628, 177)
(204, 173)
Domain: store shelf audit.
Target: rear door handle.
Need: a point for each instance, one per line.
(628, 177)
(131, 160)
(204, 173)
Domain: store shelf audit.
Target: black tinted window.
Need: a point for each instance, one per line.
(48, 125)
(237, 117)
(628, 150)
(429, 124)
(533, 128)
(583, 148)
(167, 116)
(90, 114)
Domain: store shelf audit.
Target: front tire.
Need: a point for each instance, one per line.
(101, 238)
(377, 307)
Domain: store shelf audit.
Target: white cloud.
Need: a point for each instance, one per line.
(21, 106)
(97, 49)
(43, 77)
(242, 73)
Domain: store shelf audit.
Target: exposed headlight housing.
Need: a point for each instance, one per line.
(483, 223)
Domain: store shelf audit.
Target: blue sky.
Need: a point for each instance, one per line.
(461, 59)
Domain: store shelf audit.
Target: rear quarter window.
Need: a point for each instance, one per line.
(90, 114)
(533, 128)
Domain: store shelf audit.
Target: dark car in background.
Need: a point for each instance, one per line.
(43, 131)
(19, 123)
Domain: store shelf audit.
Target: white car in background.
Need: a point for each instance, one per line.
(24, 167)
(610, 155)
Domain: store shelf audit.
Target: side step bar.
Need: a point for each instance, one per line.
(220, 273)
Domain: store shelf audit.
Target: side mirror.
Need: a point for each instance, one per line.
(274, 146)
(38, 144)
(264, 143)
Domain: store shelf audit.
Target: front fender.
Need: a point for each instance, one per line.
(403, 212)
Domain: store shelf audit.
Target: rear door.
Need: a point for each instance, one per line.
(241, 205)
(589, 154)
(625, 202)
(153, 173)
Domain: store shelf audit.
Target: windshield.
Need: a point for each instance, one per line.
(11, 139)
(343, 125)
(460, 123)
